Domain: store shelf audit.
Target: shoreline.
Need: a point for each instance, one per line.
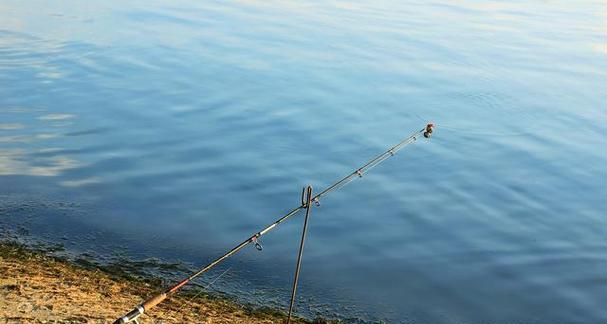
(36, 287)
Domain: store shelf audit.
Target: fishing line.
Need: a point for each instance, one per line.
(474, 132)
(204, 288)
(358, 173)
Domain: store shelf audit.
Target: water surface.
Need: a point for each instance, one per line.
(173, 130)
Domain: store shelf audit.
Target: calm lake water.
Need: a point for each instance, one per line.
(173, 130)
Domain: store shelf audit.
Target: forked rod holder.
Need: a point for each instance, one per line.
(308, 206)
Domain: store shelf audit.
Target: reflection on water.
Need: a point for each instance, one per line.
(172, 131)
(23, 158)
(11, 126)
(56, 117)
(19, 162)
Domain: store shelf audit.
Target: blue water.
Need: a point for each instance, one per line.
(174, 130)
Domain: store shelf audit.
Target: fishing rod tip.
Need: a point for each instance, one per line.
(429, 129)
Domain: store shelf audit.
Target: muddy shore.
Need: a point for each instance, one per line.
(38, 288)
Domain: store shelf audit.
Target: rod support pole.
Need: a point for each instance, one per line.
(301, 247)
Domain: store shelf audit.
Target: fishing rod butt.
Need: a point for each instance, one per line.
(130, 316)
(140, 309)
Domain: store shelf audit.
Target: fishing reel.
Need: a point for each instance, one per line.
(429, 130)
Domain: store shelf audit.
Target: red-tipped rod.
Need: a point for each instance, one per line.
(159, 298)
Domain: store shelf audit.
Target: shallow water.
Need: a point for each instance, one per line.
(174, 130)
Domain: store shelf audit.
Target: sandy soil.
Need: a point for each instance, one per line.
(35, 288)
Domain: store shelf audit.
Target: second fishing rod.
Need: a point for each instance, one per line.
(157, 299)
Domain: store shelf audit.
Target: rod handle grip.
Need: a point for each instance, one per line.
(150, 303)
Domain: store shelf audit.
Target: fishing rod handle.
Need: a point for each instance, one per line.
(139, 310)
(150, 303)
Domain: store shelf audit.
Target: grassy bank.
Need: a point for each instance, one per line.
(38, 288)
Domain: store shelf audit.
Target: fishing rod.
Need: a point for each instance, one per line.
(160, 297)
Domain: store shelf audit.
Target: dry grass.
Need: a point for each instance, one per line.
(35, 288)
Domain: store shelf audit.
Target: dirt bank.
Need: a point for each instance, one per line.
(36, 288)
